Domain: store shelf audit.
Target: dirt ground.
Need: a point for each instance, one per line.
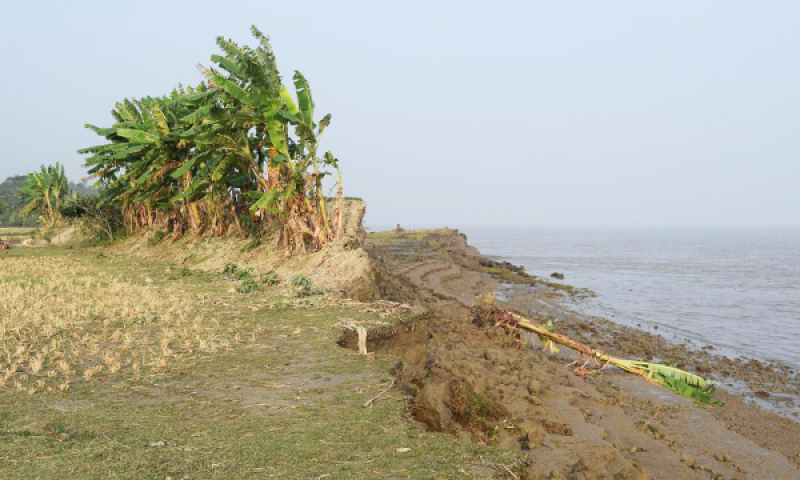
(469, 378)
(453, 395)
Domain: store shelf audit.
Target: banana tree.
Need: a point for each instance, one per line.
(305, 151)
(44, 192)
(147, 149)
(333, 162)
(255, 98)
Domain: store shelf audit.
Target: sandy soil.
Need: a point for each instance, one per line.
(470, 378)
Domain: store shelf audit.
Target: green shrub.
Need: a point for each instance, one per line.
(243, 274)
(230, 269)
(157, 237)
(248, 286)
(270, 278)
(302, 284)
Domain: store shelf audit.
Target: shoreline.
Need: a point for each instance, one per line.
(777, 394)
(783, 400)
(722, 288)
(451, 272)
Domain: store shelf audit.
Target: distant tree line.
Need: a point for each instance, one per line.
(24, 199)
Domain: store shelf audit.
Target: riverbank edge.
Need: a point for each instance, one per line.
(541, 299)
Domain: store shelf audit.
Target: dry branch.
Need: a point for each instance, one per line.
(376, 397)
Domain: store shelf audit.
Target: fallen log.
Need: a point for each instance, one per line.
(679, 381)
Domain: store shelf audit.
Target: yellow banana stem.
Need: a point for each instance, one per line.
(542, 331)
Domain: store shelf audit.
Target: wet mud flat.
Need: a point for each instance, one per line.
(467, 377)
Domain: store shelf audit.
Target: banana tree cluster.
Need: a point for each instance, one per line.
(238, 150)
(44, 192)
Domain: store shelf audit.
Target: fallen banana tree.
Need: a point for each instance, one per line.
(679, 381)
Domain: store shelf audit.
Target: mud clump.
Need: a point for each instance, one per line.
(531, 434)
(430, 405)
(605, 464)
(473, 411)
(445, 404)
(595, 464)
(557, 428)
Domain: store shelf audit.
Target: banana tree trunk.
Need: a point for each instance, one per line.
(521, 322)
(322, 208)
(339, 213)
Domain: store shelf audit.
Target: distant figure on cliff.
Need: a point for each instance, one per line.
(398, 229)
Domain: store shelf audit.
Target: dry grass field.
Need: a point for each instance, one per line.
(16, 231)
(16, 235)
(64, 322)
(114, 367)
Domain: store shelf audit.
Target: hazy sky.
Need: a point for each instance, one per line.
(462, 113)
